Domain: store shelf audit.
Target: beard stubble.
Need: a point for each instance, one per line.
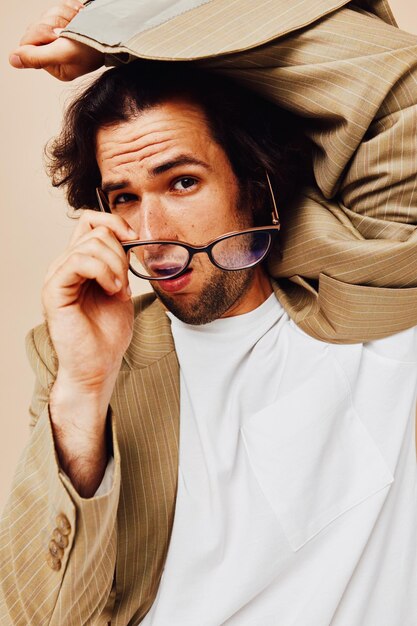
(221, 292)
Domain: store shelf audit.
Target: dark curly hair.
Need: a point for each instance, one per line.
(255, 134)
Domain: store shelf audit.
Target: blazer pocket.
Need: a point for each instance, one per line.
(313, 465)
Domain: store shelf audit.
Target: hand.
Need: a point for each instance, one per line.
(86, 298)
(89, 312)
(42, 48)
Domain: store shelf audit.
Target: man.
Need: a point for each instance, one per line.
(297, 471)
(355, 98)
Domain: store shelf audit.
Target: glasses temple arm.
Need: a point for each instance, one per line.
(100, 202)
(275, 216)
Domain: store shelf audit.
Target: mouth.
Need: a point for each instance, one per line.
(171, 285)
(160, 270)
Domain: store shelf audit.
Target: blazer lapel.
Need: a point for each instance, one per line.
(145, 404)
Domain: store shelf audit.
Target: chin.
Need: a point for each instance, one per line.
(219, 294)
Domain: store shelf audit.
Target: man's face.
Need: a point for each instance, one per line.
(165, 174)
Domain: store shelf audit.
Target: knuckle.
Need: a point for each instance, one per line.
(92, 242)
(76, 257)
(103, 231)
(80, 259)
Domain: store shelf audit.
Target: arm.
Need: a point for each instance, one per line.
(353, 80)
(349, 244)
(72, 585)
(58, 541)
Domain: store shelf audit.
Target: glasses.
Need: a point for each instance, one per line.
(165, 259)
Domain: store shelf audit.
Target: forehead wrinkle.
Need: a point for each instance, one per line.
(128, 138)
(171, 153)
(122, 150)
(166, 123)
(117, 149)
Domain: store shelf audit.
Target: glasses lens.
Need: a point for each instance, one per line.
(157, 260)
(242, 250)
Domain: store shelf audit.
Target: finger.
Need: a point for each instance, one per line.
(100, 243)
(99, 249)
(93, 219)
(104, 234)
(64, 286)
(75, 4)
(65, 12)
(39, 34)
(36, 34)
(56, 17)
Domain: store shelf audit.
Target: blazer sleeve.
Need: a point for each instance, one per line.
(347, 270)
(74, 586)
(351, 77)
(352, 80)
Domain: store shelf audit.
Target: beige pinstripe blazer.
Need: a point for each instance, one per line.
(351, 76)
(349, 245)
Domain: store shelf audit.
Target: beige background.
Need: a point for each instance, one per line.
(34, 227)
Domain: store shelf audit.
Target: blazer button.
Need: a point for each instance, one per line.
(55, 550)
(63, 524)
(59, 538)
(53, 562)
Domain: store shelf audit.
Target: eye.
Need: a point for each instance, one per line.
(186, 182)
(123, 198)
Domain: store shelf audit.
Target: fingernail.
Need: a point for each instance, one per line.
(118, 283)
(16, 61)
(58, 31)
(129, 291)
(132, 233)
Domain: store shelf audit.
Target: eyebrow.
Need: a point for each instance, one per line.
(181, 159)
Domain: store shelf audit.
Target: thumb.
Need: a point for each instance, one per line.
(63, 58)
(35, 57)
(60, 52)
(16, 61)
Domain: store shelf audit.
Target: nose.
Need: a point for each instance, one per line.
(152, 220)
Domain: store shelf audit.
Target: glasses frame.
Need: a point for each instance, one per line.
(207, 249)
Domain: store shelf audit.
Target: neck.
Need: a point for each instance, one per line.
(260, 289)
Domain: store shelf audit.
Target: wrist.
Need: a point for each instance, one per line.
(82, 405)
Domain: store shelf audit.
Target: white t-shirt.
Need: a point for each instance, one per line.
(297, 493)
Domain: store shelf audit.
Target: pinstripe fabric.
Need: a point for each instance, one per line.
(352, 79)
(126, 531)
(216, 27)
(347, 273)
(355, 78)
